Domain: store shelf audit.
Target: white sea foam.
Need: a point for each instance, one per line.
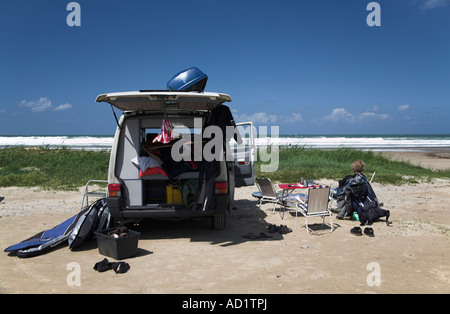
(315, 141)
(81, 142)
(373, 143)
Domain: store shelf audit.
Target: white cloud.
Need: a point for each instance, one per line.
(267, 119)
(43, 104)
(403, 107)
(383, 116)
(368, 115)
(432, 4)
(63, 107)
(257, 117)
(294, 117)
(339, 114)
(336, 115)
(342, 115)
(37, 106)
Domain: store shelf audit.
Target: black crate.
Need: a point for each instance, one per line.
(117, 248)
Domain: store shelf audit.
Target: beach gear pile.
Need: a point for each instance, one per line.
(356, 198)
(74, 231)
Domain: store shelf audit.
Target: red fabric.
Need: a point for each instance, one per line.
(286, 186)
(151, 171)
(166, 132)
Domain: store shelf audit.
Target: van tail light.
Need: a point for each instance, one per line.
(221, 187)
(114, 190)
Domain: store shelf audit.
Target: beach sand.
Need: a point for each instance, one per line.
(437, 158)
(410, 256)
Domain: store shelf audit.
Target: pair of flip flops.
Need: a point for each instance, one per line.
(282, 229)
(118, 267)
(358, 232)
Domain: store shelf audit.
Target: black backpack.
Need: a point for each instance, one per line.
(364, 201)
(352, 193)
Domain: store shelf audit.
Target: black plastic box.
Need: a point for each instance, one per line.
(117, 248)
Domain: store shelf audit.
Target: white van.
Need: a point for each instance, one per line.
(147, 179)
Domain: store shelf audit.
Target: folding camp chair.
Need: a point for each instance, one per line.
(373, 175)
(88, 193)
(268, 192)
(315, 205)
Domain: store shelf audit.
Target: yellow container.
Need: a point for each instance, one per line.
(173, 195)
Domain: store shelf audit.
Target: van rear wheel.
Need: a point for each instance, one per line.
(219, 221)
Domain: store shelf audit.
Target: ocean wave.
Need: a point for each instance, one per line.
(357, 142)
(322, 142)
(82, 142)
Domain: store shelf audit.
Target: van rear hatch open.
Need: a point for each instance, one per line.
(134, 193)
(163, 100)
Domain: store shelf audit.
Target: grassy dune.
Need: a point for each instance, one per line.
(51, 168)
(314, 164)
(68, 169)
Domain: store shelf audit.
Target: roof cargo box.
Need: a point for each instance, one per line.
(190, 80)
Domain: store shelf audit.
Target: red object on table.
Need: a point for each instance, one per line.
(287, 186)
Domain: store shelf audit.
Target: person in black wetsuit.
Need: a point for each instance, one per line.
(355, 194)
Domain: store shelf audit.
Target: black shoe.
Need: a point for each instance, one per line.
(102, 266)
(120, 267)
(273, 228)
(284, 229)
(356, 231)
(369, 232)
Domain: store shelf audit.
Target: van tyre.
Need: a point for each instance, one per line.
(219, 221)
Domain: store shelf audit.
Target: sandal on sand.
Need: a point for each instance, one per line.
(282, 229)
(273, 228)
(369, 232)
(356, 231)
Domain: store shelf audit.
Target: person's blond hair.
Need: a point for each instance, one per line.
(358, 165)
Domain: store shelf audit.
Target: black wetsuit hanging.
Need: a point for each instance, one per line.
(221, 117)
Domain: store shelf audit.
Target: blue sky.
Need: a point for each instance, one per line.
(309, 67)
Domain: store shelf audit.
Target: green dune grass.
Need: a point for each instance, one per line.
(67, 169)
(64, 169)
(315, 164)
